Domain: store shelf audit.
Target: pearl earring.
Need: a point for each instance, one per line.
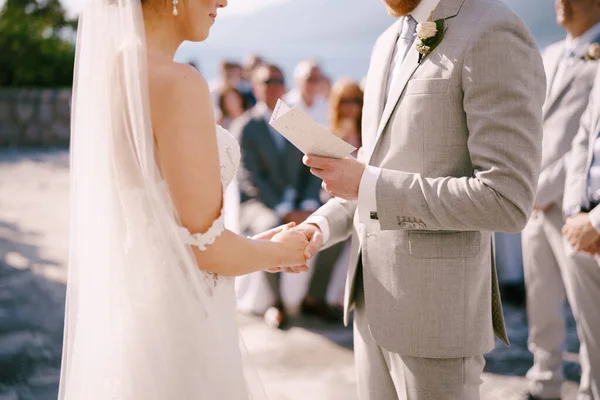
(175, 12)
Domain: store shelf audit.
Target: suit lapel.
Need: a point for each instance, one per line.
(377, 82)
(570, 74)
(445, 9)
(408, 68)
(269, 148)
(292, 163)
(567, 78)
(553, 68)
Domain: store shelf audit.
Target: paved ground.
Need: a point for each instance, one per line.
(309, 361)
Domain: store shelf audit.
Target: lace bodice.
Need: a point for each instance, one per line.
(229, 155)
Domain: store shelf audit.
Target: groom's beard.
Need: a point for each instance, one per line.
(398, 8)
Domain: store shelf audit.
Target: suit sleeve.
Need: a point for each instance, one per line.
(504, 84)
(340, 216)
(251, 179)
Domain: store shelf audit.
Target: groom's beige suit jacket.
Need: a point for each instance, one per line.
(459, 144)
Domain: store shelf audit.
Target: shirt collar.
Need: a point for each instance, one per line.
(423, 11)
(579, 46)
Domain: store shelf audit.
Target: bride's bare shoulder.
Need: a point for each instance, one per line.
(178, 93)
(176, 82)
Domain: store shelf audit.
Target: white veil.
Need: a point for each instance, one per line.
(140, 324)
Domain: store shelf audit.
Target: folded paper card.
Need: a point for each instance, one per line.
(306, 134)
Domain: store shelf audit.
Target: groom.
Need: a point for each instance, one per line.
(451, 152)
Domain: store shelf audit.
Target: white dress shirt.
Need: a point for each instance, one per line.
(367, 193)
(317, 111)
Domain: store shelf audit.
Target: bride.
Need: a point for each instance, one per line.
(150, 309)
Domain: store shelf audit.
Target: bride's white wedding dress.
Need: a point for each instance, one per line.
(142, 321)
(173, 338)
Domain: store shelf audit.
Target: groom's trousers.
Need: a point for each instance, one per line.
(551, 275)
(383, 375)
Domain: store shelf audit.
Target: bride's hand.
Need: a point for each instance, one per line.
(268, 235)
(293, 244)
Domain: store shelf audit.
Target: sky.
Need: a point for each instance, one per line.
(235, 7)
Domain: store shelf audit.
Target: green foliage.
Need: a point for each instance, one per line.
(36, 44)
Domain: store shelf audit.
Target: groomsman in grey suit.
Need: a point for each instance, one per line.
(452, 131)
(570, 69)
(582, 231)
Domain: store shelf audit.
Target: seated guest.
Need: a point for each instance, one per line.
(231, 106)
(308, 91)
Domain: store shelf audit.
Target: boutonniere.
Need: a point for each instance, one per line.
(429, 36)
(593, 52)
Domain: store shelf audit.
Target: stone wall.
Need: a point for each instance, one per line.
(35, 117)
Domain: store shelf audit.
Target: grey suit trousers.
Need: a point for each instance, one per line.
(551, 275)
(383, 375)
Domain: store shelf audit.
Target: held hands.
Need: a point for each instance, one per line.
(341, 177)
(305, 237)
(580, 233)
(294, 244)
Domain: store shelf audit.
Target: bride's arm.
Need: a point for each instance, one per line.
(184, 126)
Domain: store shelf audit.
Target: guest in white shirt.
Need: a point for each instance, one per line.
(308, 93)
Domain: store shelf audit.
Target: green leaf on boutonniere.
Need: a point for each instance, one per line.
(426, 46)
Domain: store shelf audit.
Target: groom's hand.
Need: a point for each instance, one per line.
(314, 236)
(341, 177)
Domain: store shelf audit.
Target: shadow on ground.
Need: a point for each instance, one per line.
(507, 361)
(54, 157)
(31, 321)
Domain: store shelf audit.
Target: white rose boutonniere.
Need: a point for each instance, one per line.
(429, 35)
(426, 30)
(593, 52)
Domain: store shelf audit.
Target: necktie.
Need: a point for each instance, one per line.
(564, 64)
(406, 38)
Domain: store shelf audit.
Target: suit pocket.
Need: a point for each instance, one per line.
(427, 86)
(444, 244)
